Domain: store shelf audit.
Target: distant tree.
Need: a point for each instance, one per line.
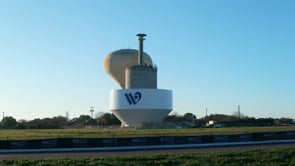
(55, 122)
(9, 123)
(22, 124)
(265, 122)
(82, 120)
(189, 117)
(98, 114)
(285, 121)
(220, 118)
(35, 124)
(173, 118)
(239, 115)
(170, 118)
(45, 123)
(108, 119)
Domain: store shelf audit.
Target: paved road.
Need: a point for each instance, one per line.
(142, 152)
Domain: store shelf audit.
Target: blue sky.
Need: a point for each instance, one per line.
(212, 54)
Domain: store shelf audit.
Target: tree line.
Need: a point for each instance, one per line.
(109, 119)
(58, 122)
(234, 120)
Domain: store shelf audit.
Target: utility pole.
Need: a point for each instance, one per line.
(67, 116)
(206, 116)
(239, 114)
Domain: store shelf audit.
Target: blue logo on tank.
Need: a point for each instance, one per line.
(133, 99)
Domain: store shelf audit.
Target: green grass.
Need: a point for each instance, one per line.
(26, 134)
(275, 157)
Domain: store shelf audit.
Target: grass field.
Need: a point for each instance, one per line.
(26, 134)
(275, 157)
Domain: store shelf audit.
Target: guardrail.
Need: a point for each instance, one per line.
(142, 141)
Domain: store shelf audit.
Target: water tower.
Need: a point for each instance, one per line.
(139, 101)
